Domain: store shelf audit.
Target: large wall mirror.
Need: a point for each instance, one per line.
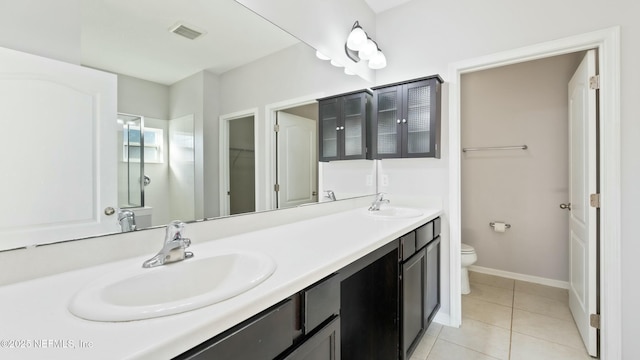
(231, 83)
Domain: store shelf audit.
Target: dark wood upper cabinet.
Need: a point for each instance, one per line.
(406, 119)
(344, 126)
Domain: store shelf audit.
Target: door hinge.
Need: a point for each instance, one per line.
(276, 187)
(595, 200)
(594, 321)
(594, 82)
(276, 127)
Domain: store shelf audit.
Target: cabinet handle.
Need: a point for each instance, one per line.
(404, 121)
(398, 121)
(341, 127)
(337, 128)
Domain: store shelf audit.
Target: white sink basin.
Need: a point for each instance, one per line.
(136, 293)
(392, 212)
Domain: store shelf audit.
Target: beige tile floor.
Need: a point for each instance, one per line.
(508, 320)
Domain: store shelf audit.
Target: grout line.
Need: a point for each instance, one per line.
(551, 341)
(513, 306)
(470, 349)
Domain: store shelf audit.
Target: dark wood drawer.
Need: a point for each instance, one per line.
(261, 338)
(424, 234)
(436, 227)
(321, 301)
(408, 245)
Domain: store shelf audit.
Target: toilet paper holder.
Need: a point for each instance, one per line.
(493, 224)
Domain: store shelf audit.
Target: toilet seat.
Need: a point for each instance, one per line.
(467, 249)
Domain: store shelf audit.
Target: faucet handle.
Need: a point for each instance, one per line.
(185, 242)
(174, 231)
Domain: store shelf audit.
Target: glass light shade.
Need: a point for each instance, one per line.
(357, 39)
(368, 50)
(336, 63)
(378, 61)
(321, 56)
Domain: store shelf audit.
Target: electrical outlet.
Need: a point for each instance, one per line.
(369, 180)
(385, 180)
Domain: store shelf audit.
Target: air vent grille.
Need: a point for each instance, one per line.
(185, 31)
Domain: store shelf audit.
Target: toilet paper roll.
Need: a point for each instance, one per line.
(499, 227)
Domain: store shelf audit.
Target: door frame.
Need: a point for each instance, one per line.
(271, 111)
(225, 206)
(607, 42)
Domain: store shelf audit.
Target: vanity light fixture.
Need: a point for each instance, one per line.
(359, 46)
(336, 63)
(322, 56)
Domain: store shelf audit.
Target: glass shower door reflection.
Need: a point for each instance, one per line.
(131, 161)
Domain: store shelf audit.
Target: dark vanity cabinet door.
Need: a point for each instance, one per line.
(328, 127)
(413, 285)
(420, 283)
(432, 281)
(387, 127)
(406, 119)
(323, 345)
(344, 131)
(369, 306)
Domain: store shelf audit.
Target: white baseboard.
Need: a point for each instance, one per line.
(522, 277)
(442, 319)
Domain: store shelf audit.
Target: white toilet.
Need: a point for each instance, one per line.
(468, 257)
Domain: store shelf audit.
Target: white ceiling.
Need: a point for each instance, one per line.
(379, 6)
(133, 38)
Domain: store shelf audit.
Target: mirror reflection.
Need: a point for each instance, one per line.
(131, 155)
(174, 94)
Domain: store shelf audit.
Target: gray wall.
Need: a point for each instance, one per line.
(189, 96)
(518, 104)
(142, 97)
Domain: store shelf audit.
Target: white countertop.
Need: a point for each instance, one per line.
(33, 314)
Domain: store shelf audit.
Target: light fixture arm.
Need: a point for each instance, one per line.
(351, 54)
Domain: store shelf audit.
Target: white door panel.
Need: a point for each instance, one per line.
(297, 163)
(59, 159)
(582, 178)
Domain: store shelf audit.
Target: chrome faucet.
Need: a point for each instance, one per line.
(379, 200)
(330, 195)
(127, 220)
(174, 247)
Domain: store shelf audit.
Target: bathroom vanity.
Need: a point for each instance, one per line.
(327, 266)
(369, 309)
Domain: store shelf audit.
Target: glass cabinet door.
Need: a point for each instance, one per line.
(418, 109)
(388, 113)
(353, 131)
(329, 128)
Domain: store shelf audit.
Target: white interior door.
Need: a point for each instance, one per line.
(582, 178)
(59, 159)
(296, 160)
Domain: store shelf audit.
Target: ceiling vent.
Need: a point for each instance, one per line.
(186, 31)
